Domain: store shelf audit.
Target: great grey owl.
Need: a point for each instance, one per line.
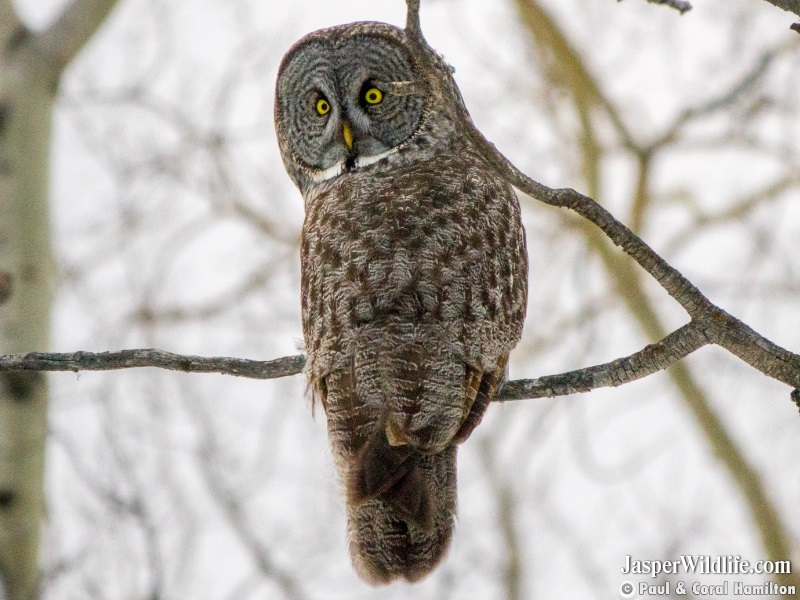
(414, 280)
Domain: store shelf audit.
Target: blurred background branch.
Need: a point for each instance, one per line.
(680, 5)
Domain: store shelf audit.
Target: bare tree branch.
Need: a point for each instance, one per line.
(62, 41)
(130, 359)
(680, 5)
(627, 280)
(720, 327)
(788, 5)
(9, 20)
(649, 360)
(412, 19)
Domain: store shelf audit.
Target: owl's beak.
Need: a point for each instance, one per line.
(348, 135)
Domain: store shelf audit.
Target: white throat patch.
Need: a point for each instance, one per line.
(338, 168)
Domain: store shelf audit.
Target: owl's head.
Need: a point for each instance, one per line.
(348, 97)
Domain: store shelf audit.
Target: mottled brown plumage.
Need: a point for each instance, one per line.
(414, 279)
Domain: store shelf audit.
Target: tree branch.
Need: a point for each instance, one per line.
(653, 358)
(792, 6)
(649, 360)
(412, 19)
(683, 6)
(9, 21)
(130, 359)
(575, 78)
(680, 5)
(65, 37)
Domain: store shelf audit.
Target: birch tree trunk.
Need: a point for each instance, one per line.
(31, 65)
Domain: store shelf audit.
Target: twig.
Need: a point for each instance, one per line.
(680, 5)
(412, 19)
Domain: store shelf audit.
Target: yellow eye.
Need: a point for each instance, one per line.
(373, 96)
(323, 107)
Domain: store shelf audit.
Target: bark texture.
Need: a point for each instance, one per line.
(30, 68)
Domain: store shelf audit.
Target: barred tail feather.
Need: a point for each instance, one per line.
(404, 531)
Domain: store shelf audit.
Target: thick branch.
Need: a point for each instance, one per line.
(9, 21)
(647, 361)
(65, 37)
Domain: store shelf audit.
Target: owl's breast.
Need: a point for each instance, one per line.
(427, 244)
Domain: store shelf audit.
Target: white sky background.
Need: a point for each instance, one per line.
(145, 215)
